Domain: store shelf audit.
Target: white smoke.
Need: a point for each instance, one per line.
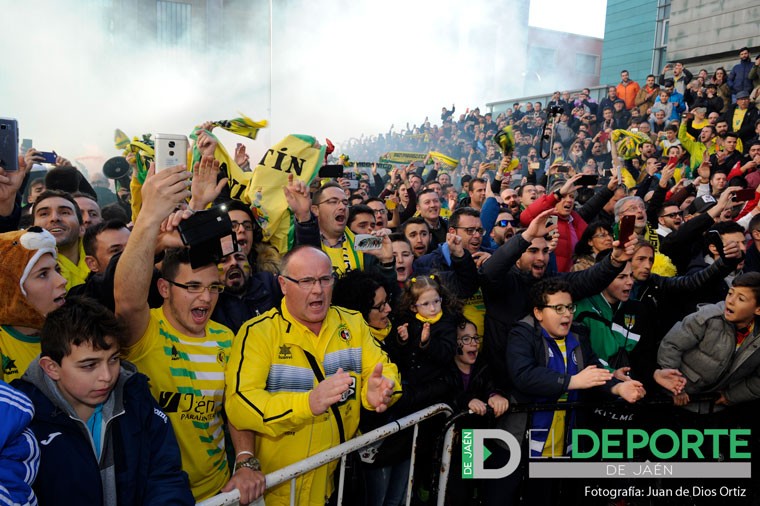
(339, 69)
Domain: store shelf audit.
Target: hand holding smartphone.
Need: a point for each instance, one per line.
(627, 225)
(8, 144)
(171, 150)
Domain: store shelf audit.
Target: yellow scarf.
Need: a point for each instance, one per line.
(380, 334)
(75, 274)
(430, 320)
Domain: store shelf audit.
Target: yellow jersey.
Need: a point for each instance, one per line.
(17, 351)
(187, 380)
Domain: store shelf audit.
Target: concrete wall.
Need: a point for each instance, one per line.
(629, 34)
(708, 34)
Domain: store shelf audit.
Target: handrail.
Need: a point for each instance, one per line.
(310, 463)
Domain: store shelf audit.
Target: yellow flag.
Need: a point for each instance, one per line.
(297, 154)
(445, 160)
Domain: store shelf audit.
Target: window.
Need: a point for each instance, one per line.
(659, 58)
(173, 21)
(586, 63)
(540, 57)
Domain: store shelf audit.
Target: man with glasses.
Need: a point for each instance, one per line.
(671, 218)
(177, 346)
(321, 221)
(299, 374)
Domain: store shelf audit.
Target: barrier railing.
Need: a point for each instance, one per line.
(293, 471)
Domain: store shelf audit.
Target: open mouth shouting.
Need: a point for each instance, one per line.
(200, 314)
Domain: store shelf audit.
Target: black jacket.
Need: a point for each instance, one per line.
(262, 294)
(505, 291)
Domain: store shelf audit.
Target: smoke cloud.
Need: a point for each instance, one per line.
(337, 70)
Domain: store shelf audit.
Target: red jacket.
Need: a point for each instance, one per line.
(564, 251)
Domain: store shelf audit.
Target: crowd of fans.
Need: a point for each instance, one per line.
(600, 254)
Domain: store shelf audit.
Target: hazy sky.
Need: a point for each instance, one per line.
(585, 17)
(341, 69)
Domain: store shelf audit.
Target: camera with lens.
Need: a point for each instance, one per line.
(556, 109)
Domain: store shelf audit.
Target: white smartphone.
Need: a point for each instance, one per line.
(551, 220)
(171, 150)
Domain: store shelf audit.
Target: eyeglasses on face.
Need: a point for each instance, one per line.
(432, 303)
(601, 235)
(561, 308)
(214, 288)
(382, 305)
(309, 283)
(470, 339)
(247, 225)
(334, 202)
(471, 230)
(673, 214)
(507, 223)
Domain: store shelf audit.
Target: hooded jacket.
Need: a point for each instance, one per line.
(139, 462)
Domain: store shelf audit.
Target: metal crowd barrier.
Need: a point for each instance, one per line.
(293, 471)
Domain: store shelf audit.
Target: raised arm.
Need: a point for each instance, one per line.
(161, 194)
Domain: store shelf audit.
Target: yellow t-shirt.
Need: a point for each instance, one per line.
(187, 380)
(17, 351)
(555, 440)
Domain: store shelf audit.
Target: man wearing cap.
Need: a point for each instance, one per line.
(741, 117)
(738, 78)
(621, 116)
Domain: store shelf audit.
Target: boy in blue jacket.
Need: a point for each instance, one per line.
(102, 436)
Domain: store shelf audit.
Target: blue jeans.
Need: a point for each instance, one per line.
(386, 486)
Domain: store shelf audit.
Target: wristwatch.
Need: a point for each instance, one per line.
(251, 463)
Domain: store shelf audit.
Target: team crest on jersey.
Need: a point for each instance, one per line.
(629, 320)
(344, 333)
(285, 352)
(9, 366)
(221, 357)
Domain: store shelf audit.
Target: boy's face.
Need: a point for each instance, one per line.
(741, 306)
(556, 325)
(86, 376)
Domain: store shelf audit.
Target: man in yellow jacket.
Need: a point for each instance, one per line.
(299, 374)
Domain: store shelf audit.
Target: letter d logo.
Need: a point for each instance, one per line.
(479, 453)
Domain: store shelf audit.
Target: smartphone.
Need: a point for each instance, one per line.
(563, 169)
(627, 224)
(419, 164)
(587, 180)
(353, 184)
(171, 150)
(673, 160)
(8, 144)
(552, 220)
(367, 242)
(744, 195)
(26, 145)
(331, 170)
(714, 238)
(48, 156)
(534, 165)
